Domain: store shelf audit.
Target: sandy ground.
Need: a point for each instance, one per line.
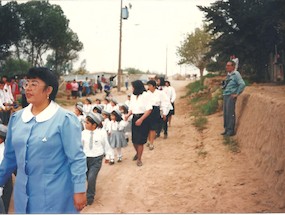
(190, 172)
(177, 178)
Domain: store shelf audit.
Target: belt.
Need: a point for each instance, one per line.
(138, 114)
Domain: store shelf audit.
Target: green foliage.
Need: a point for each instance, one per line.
(251, 30)
(133, 71)
(193, 49)
(200, 122)
(210, 107)
(195, 87)
(13, 67)
(232, 144)
(34, 29)
(9, 28)
(211, 75)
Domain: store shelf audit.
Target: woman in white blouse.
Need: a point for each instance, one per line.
(140, 108)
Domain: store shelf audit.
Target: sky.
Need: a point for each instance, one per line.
(151, 34)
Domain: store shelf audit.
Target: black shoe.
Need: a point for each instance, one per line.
(90, 201)
(230, 134)
(224, 133)
(112, 162)
(120, 160)
(135, 158)
(165, 136)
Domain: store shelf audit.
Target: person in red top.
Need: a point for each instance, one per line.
(68, 88)
(15, 88)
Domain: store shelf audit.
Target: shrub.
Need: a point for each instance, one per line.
(200, 123)
(210, 107)
(195, 87)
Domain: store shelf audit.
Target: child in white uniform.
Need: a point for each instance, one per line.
(117, 137)
(95, 146)
(87, 107)
(106, 127)
(128, 129)
(78, 110)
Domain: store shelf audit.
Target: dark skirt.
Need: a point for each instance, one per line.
(172, 112)
(139, 133)
(154, 118)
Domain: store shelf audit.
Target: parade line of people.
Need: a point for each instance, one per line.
(53, 152)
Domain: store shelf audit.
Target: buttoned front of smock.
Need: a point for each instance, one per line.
(51, 166)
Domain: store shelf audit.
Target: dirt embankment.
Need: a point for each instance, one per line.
(261, 133)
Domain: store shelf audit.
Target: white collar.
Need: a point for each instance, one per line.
(45, 115)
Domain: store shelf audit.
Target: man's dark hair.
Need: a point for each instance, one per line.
(47, 76)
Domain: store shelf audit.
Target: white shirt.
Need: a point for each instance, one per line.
(108, 107)
(160, 99)
(2, 100)
(100, 142)
(171, 93)
(140, 104)
(87, 108)
(117, 126)
(8, 94)
(106, 125)
(112, 108)
(128, 103)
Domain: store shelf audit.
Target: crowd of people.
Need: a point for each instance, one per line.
(90, 87)
(53, 152)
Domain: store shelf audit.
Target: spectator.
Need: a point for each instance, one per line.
(74, 89)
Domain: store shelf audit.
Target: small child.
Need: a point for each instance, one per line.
(107, 105)
(128, 129)
(128, 100)
(98, 101)
(87, 107)
(117, 137)
(97, 109)
(114, 104)
(78, 110)
(95, 146)
(106, 127)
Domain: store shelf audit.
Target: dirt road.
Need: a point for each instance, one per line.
(187, 173)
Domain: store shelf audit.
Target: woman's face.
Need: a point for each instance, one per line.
(77, 112)
(36, 91)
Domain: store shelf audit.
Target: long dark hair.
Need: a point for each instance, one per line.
(138, 87)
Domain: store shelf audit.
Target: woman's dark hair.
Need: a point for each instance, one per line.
(151, 82)
(97, 109)
(138, 87)
(47, 76)
(89, 119)
(162, 81)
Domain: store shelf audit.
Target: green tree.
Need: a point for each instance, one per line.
(12, 67)
(9, 28)
(194, 48)
(131, 70)
(249, 29)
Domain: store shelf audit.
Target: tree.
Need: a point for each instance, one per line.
(13, 67)
(194, 48)
(131, 70)
(249, 29)
(9, 28)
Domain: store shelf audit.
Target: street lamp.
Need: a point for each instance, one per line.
(124, 14)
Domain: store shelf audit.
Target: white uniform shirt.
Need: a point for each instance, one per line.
(106, 124)
(112, 108)
(140, 104)
(117, 126)
(128, 103)
(8, 94)
(2, 100)
(100, 142)
(160, 99)
(87, 108)
(170, 92)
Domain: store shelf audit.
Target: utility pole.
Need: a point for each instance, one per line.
(120, 50)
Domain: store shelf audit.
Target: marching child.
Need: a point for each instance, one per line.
(97, 109)
(87, 107)
(128, 129)
(117, 137)
(95, 145)
(78, 110)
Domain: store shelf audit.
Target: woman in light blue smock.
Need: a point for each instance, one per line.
(44, 144)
